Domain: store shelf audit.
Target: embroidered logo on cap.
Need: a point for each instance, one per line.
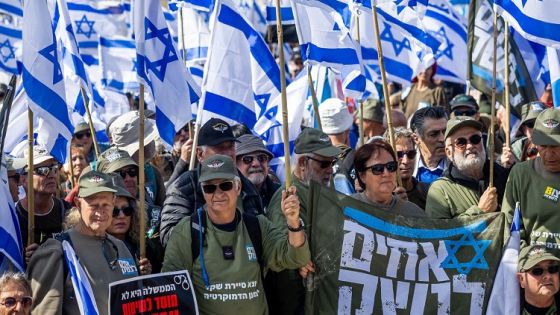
(550, 123)
(95, 179)
(324, 138)
(215, 164)
(221, 127)
(537, 251)
(113, 156)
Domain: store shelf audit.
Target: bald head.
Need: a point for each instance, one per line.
(399, 119)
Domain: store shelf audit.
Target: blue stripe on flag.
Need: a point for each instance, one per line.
(60, 148)
(419, 34)
(442, 71)
(194, 97)
(448, 22)
(90, 60)
(165, 126)
(118, 85)
(344, 56)
(79, 68)
(11, 9)
(88, 44)
(530, 25)
(287, 14)
(87, 8)
(393, 67)
(277, 149)
(88, 301)
(116, 43)
(10, 32)
(229, 108)
(197, 52)
(196, 72)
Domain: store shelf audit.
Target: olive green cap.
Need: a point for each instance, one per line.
(114, 159)
(547, 128)
(530, 256)
(460, 122)
(81, 127)
(118, 184)
(530, 111)
(373, 110)
(94, 182)
(312, 140)
(217, 167)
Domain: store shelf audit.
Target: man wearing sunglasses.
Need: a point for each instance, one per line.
(535, 184)
(82, 138)
(538, 277)
(523, 147)
(14, 166)
(464, 188)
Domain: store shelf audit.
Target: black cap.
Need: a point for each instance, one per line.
(214, 132)
(463, 100)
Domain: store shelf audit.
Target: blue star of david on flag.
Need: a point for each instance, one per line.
(467, 240)
(7, 51)
(159, 67)
(51, 54)
(448, 45)
(398, 46)
(89, 27)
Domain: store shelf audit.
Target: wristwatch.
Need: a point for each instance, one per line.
(297, 229)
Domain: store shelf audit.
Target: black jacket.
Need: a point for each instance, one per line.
(184, 196)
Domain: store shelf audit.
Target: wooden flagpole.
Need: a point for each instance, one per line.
(141, 175)
(507, 126)
(90, 122)
(360, 101)
(491, 134)
(314, 99)
(30, 191)
(184, 55)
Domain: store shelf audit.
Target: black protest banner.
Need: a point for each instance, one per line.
(169, 293)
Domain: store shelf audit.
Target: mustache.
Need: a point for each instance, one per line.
(256, 170)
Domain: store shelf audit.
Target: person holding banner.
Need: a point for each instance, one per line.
(219, 247)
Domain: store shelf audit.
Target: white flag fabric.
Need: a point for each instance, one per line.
(11, 247)
(117, 58)
(285, 12)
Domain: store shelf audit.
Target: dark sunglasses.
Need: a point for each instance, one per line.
(80, 135)
(130, 172)
(378, 169)
(469, 112)
(530, 124)
(409, 154)
(211, 188)
(15, 177)
(11, 302)
(248, 159)
(324, 164)
(128, 211)
(46, 170)
(462, 142)
(539, 271)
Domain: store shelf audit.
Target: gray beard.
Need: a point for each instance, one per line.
(471, 167)
(257, 178)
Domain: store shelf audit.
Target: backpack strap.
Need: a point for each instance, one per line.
(196, 227)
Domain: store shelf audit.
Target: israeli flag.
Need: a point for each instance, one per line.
(80, 282)
(536, 61)
(554, 66)
(451, 30)
(10, 48)
(325, 39)
(117, 58)
(202, 5)
(504, 298)
(11, 7)
(10, 236)
(197, 34)
(42, 76)
(536, 20)
(285, 11)
(251, 10)
(161, 69)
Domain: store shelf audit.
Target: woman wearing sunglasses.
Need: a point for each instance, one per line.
(376, 169)
(15, 294)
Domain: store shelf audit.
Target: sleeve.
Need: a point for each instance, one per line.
(441, 99)
(437, 205)
(278, 253)
(176, 206)
(274, 210)
(46, 273)
(178, 254)
(472, 211)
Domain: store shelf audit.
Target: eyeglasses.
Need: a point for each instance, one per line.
(80, 135)
(324, 164)
(128, 211)
(211, 188)
(461, 143)
(132, 172)
(530, 124)
(46, 170)
(11, 302)
(539, 271)
(378, 169)
(248, 159)
(469, 112)
(15, 177)
(409, 154)
(105, 247)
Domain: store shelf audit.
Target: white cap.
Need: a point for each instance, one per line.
(335, 117)
(124, 132)
(40, 155)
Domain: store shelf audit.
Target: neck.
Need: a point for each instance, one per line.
(407, 183)
(120, 236)
(540, 303)
(221, 217)
(429, 159)
(42, 203)
(384, 199)
(339, 139)
(422, 84)
(85, 230)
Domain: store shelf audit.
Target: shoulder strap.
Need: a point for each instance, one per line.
(195, 239)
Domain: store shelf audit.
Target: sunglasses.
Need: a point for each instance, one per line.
(128, 211)
(46, 170)
(132, 172)
(530, 124)
(248, 159)
(378, 169)
(462, 142)
(324, 164)
(15, 177)
(539, 271)
(11, 302)
(211, 188)
(409, 154)
(80, 135)
(470, 112)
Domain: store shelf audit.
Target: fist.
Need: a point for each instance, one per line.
(489, 200)
(290, 206)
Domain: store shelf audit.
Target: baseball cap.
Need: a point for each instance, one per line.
(530, 256)
(312, 140)
(335, 117)
(118, 184)
(214, 132)
(81, 127)
(460, 122)
(249, 144)
(15, 164)
(547, 128)
(373, 110)
(530, 111)
(463, 100)
(40, 155)
(217, 167)
(113, 159)
(94, 182)
(124, 132)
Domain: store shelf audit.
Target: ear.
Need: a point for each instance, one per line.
(199, 155)
(301, 161)
(416, 139)
(77, 202)
(239, 187)
(449, 152)
(521, 279)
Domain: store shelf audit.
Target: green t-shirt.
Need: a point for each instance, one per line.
(538, 192)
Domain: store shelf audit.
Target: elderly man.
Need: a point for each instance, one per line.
(104, 258)
(232, 252)
(464, 188)
(428, 125)
(535, 184)
(252, 161)
(313, 161)
(538, 277)
(373, 118)
(14, 166)
(185, 195)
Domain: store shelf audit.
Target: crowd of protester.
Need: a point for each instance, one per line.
(202, 219)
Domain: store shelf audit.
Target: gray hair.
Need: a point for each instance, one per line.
(15, 277)
(400, 133)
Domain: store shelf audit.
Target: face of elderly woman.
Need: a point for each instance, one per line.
(14, 299)
(379, 186)
(122, 219)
